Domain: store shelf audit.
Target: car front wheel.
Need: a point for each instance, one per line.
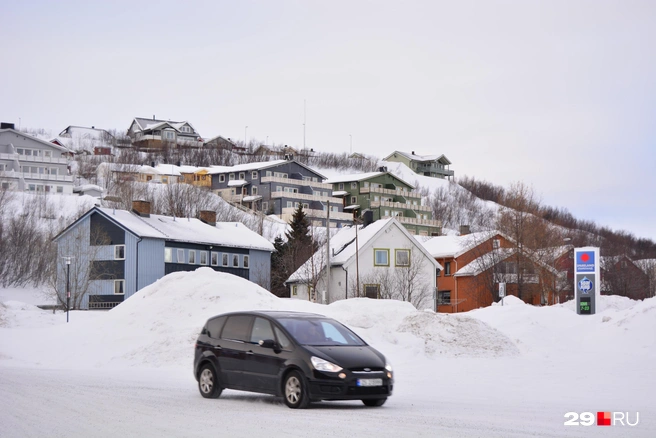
(374, 402)
(208, 384)
(295, 391)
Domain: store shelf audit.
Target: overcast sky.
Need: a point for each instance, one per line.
(560, 95)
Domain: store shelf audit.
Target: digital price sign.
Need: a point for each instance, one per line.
(586, 280)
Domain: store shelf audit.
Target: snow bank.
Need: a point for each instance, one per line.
(457, 335)
(510, 300)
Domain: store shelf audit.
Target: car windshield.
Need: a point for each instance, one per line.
(320, 332)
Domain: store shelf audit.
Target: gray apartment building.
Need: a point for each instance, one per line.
(30, 164)
(278, 187)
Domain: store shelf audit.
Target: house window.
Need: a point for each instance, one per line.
(168, 255)
(495, 243)
(372, 291)
(269, 173)
(231, 177)
(192, 257)
(224, 260)
(387, 212)
(119, 252)
(54, 171)
(203, 257)
(306, 205)
(290, 204)
(341, 186)
(447, 268)
(294, 290)
(253, 190)
(242, 175)
(444, 297)
(354, 185)
(402, 257)
(215, 259)
(354, 199)
(254, 174)
(265, 206)
(169, 135)
(245, 262)
(60, 189)
(119, 287)
(235, 261)
(381, 257)
(221, 178)
(181, 258)
(47, 154)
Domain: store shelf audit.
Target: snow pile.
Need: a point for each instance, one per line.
(607, 302)
(457, 335)
(510, 300)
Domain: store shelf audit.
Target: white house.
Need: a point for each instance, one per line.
(381, 260)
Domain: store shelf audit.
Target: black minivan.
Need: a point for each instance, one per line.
(302, 357)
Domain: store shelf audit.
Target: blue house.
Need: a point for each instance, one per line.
(107, 255)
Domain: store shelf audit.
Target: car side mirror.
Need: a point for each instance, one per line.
(270, 343)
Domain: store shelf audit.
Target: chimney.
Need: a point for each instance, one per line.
(93, 127)
(142, 208)
(208, 217)
(464, 230)
(6, 125)
(153, 116)
(152, 164)
(413, 152)
(382, 169)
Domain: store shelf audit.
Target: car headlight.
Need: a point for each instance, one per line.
(323, 365)
(388, 367)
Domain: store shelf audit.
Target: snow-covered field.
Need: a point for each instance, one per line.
(512, 370)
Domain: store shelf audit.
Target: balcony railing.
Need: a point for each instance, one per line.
(404, 193)
(378, 204)
(288, 212)
(35, 176)
(300, 182)
(416, 221)
(33, 159)
(304, 197)
(435, 169)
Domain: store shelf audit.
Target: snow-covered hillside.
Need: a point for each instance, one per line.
(511, 370)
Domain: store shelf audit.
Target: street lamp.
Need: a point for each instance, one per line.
(68, 285)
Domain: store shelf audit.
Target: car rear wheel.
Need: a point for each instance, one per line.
(374, 402)
(208, 384)
(295, 391)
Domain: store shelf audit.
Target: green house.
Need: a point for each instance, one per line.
(436, 166)
(380, 195)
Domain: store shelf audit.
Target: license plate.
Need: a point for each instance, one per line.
(370, 382)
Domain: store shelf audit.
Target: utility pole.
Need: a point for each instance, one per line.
(357, 260)
(68, 286)
(326, 293)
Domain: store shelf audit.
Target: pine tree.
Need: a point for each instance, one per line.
(290, 255)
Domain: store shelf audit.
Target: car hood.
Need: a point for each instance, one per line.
(350, 356)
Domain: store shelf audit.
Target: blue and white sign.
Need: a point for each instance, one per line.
(586, 280)
(585, 285)
(585, 261)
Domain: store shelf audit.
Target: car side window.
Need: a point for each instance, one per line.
(237, 328)
(283, 340)
(214, 326)
(261, 330)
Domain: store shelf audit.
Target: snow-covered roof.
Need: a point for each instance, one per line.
(340, 193)
(352, 177)
(454, 246)
(484, 262)
(343, 246)
(251, 198)
(352, 207)
(363, 177)
(84, 132)
(87, 187)
(237, 183)
(190, 230)
(149, 124)
(31, 137)
(441, 158)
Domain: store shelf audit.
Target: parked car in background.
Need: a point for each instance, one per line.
(301, 357)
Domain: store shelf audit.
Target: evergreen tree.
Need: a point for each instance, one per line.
(290, 255)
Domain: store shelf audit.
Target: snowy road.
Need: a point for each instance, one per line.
(144, 403)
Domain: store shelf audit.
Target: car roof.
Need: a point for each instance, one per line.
(276, 314)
